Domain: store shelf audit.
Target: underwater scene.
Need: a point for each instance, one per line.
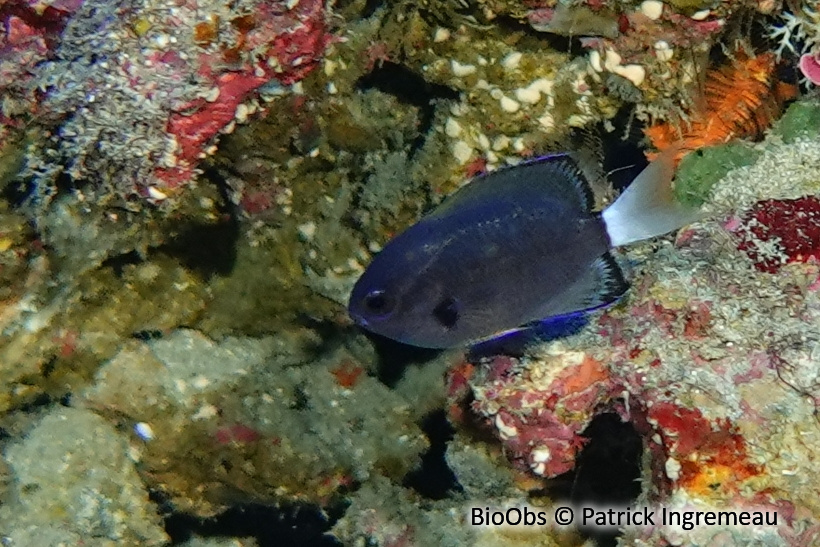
(409, 273)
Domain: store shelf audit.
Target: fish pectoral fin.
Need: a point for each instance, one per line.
(602, 284)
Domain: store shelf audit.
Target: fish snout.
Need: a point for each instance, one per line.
(358, 319)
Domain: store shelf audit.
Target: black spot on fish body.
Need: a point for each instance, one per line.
(447, 312)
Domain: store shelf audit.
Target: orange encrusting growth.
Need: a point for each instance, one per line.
(739, 100)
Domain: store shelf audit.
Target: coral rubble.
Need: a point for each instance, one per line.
(306, 436)
(78, 472)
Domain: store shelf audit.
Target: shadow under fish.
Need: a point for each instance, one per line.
(511, 251)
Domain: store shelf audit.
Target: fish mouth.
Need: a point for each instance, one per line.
(358, 319)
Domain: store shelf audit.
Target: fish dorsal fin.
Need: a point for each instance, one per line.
(556, 176)
(602, 284)
(589, 155)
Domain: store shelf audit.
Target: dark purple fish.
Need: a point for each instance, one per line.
(512, 247)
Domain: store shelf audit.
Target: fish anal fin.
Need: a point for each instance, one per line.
(602, 284)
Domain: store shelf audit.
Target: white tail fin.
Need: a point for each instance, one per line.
(648, 207)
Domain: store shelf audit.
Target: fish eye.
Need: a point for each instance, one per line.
(378, 302)
(447, 312)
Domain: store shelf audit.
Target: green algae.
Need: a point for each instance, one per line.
(700, 170)
(801, 119)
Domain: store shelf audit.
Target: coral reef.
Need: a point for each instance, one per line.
(698, 172)
(190, 189)
(314, 431)
(711, 356)
(174, 78)
(78, 472)
(738, 101)
(800, 120)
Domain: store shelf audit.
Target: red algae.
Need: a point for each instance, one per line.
(347, 374)
(712, 455)
(793, 225)
(540, 419)
(236, 433)
(174, 83)
(688, 426)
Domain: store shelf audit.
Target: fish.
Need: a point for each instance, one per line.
(512, 247)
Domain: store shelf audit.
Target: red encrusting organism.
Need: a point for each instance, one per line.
(712, 454)
(236, 434)
(347, 373)
(793, 225)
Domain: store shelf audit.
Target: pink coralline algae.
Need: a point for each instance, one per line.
(284, 45)
(138, 94)
(792, 226)
(540, 417)
(236, 433)
(26, 35)
(810, 67)
(721, 451)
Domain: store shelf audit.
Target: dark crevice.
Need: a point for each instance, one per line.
(37, 403)
(409, 88)
(370, 8)
(118, 262)
(405, 85)
(18, 193)
(623, 148)
(607, 471)
(48, 367)
(270, 526)
(394, 357)
(148, 335)
(206, 249)
(434, 479)
(209, 249)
